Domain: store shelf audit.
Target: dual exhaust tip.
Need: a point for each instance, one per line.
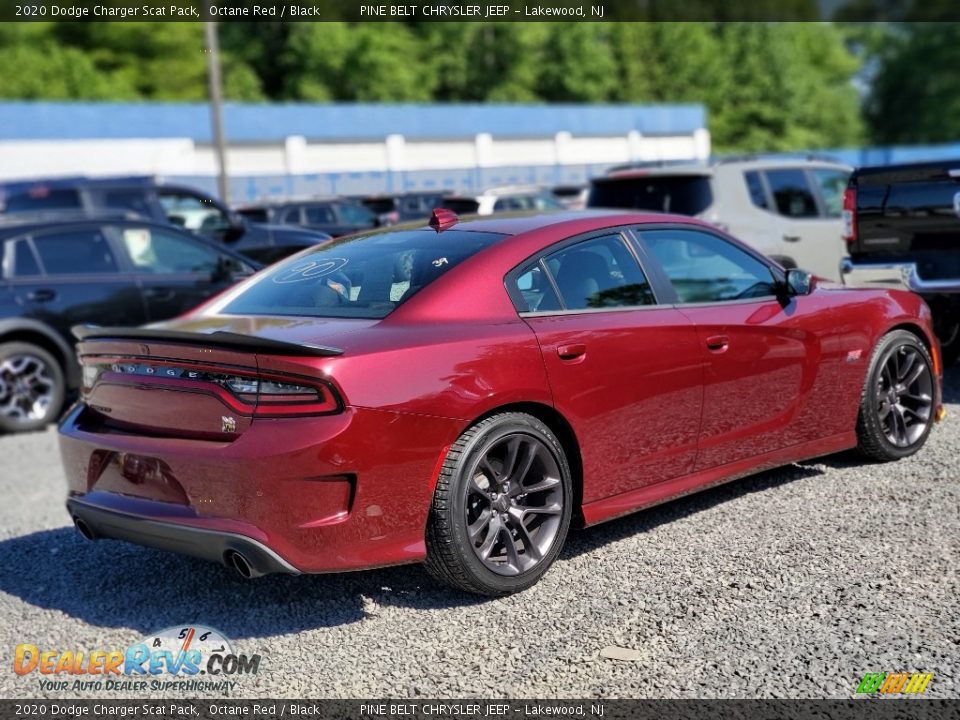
(233, 559)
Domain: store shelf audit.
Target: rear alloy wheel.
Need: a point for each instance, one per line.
(502, 507)
(897, 404)
(32, 387)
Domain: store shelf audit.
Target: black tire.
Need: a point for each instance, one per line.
(895, 417)
(28, 371)
(453, 557)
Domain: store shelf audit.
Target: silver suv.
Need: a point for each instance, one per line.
(788, 208)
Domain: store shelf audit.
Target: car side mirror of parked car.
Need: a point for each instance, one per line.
(798, 282)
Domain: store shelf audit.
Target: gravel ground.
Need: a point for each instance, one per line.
(793, 583)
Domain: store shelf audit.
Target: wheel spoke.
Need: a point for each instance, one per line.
(547, 483)
(903, 369)
(510, 460)
(494, 529)
(530, 549)
(476, 528)
(914, 375)
(900, 426)
(884, 411)
(513, 554)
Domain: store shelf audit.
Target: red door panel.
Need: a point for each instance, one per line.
(769, 374)
(630, 383)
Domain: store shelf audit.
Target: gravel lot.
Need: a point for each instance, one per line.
(793, 583)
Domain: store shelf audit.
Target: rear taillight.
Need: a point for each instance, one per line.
(850, 215)
(257, 395)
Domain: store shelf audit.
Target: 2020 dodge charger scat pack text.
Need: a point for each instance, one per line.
(459, 394)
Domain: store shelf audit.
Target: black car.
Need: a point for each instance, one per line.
(103, 271)
(334, 217)
(183, 206)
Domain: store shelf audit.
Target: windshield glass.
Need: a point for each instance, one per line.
(680, 194)
(359, 277)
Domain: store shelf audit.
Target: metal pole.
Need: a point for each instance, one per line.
(216, 108)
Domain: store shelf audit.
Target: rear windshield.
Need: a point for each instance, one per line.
(680, 194)
(359, 277)
(41, 198)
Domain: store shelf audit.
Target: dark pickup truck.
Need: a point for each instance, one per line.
(145, 198)
(902, 227)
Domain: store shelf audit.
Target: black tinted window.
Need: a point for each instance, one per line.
(705, 268)
(41, 198)
(317, 215)
(356, 215)
(599, 273)
(380, 205)
(791, 193)
(366, 276)
(72, 252)
(758, 195)
(681, 194)
(24, 262)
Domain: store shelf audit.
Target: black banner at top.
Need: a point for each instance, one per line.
(476, 10)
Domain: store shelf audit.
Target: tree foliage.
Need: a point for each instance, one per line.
(765, 85)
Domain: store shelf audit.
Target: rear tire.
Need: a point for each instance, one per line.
(898, 398)
(502, 507)
(32, 387)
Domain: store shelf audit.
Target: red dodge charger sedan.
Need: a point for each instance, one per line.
(458, 394)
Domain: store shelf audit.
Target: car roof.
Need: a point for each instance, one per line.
(26, 228)
(528, 221)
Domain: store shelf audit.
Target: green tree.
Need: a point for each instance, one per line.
(915, 95)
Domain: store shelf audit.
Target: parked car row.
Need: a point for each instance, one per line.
(108, 270)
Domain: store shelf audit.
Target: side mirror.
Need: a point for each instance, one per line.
(798, 282)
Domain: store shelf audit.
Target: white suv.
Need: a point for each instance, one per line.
(789, 209)
(502, 199)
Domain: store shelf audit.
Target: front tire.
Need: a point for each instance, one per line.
(898, 399)
(502, 507)
(32, 387)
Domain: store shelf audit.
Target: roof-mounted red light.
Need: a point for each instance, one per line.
(441, 219)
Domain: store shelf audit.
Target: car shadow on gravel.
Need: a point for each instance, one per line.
(117, 585)
(592, 538)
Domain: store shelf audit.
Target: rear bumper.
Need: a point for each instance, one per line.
(314, 494)
(902, 275)
(97, 523)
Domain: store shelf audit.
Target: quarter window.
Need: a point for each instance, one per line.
(704, 268)
(791, 193)
(24, 262)
(75, 252)
(599, 273)
(831, 184)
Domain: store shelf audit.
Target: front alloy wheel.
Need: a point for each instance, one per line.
(898, 401)
(502, 507)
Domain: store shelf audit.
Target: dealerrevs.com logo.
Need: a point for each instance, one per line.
(894, 683)
(189, 658)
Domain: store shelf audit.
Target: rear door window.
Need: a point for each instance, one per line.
(24, 262)
(83, 251)
(316, 215)
(156, 251)
(792, 194)
(758, 193)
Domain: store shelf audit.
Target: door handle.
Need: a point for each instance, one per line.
(791, 238)
(571, 352)
(718, 343)
(41, 296)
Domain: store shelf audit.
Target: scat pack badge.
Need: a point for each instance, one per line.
(190, 658)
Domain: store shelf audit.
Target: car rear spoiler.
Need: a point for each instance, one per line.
(219, 338)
